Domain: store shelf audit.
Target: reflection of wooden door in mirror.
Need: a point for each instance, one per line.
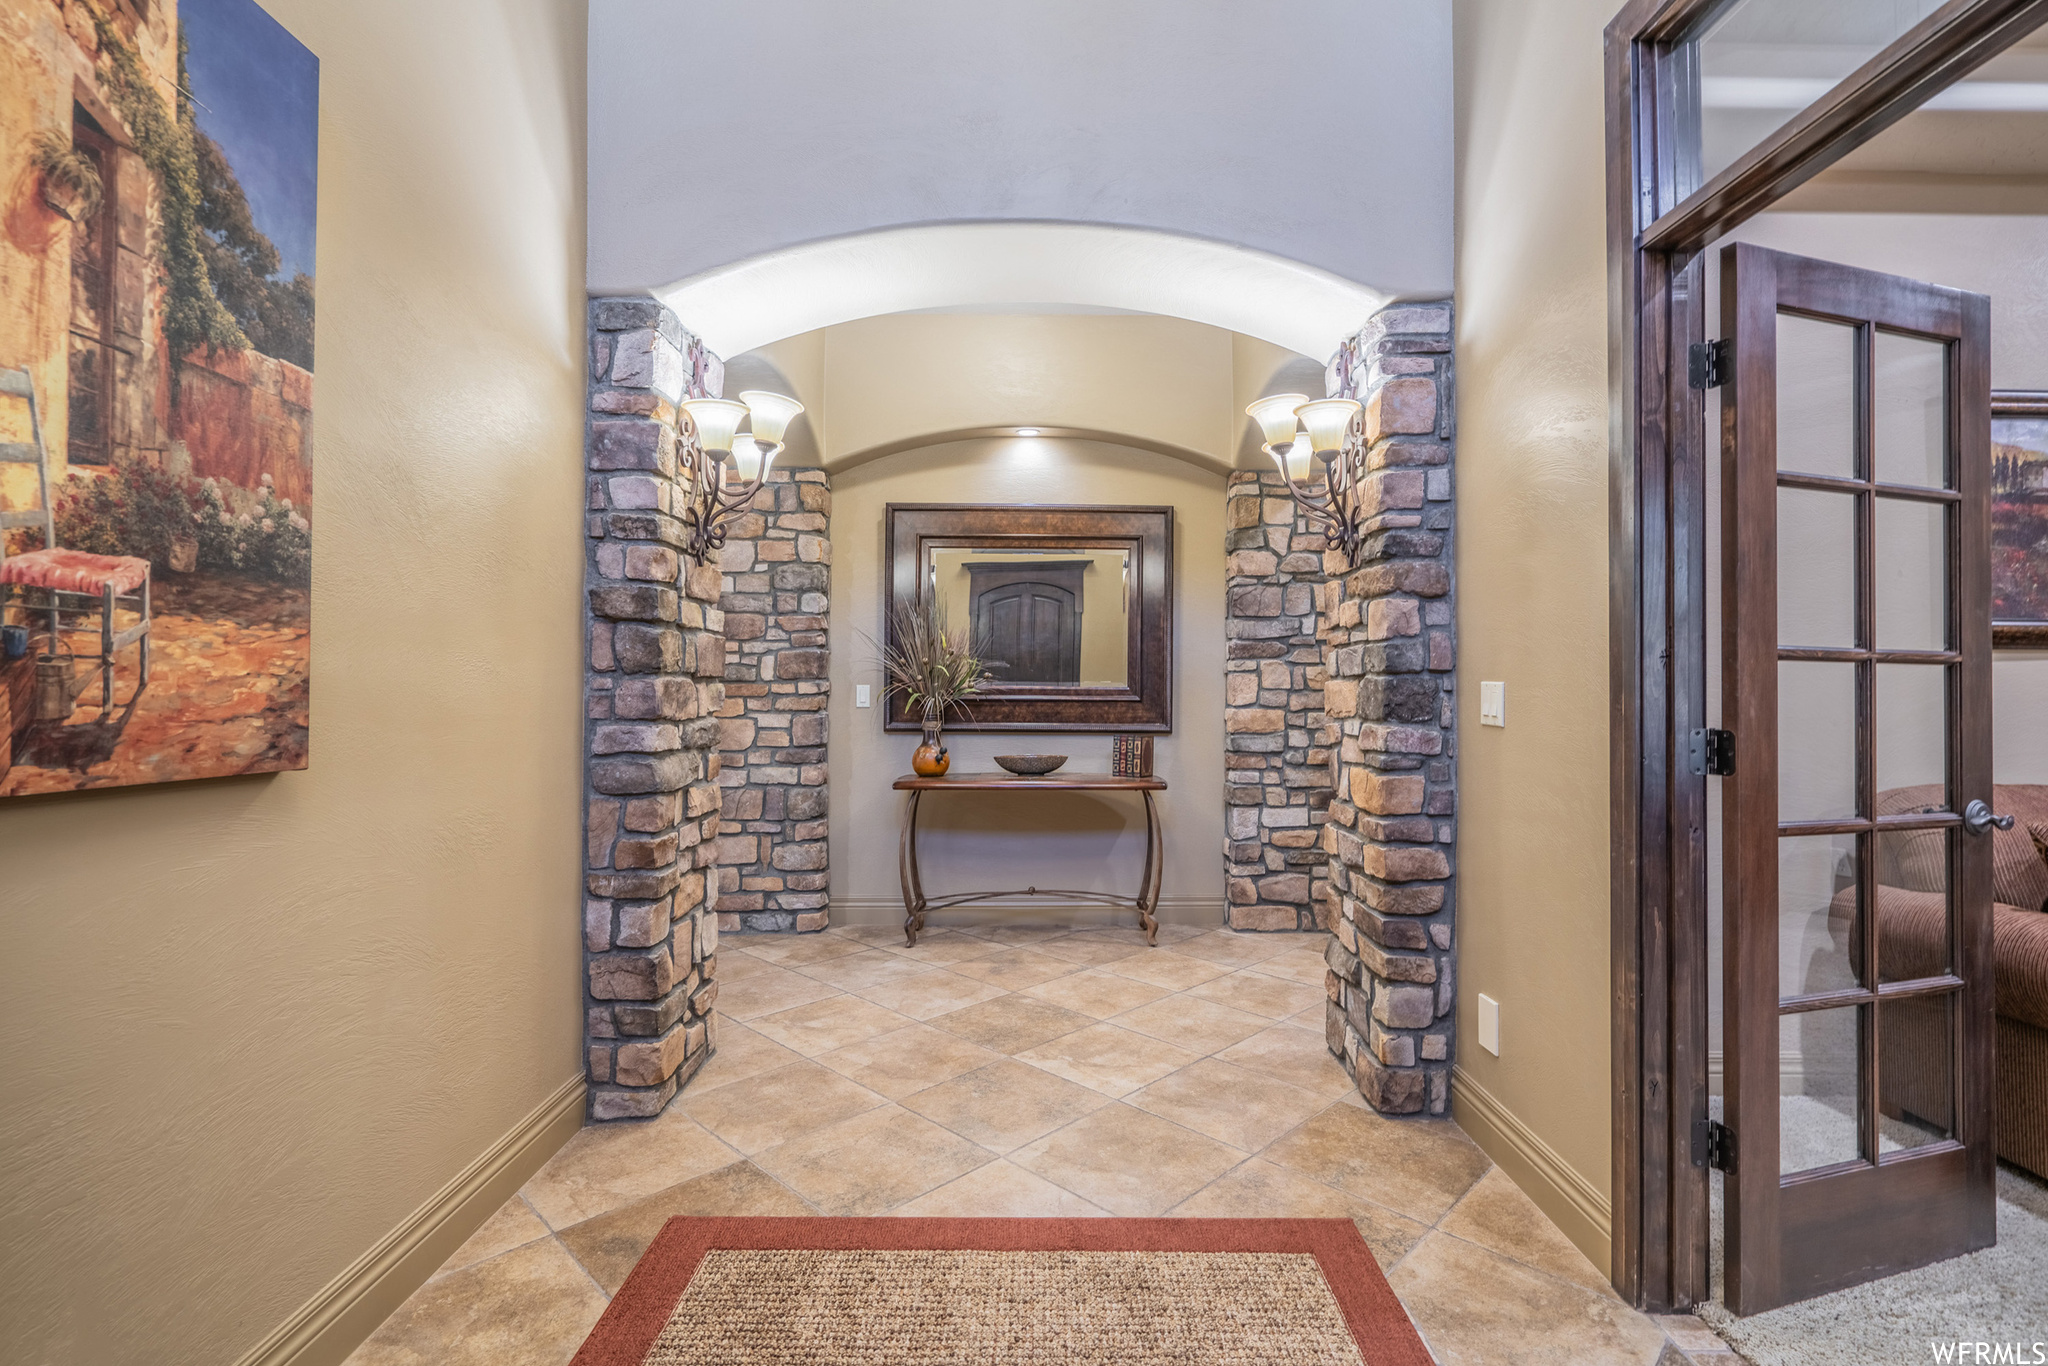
(1027, 618)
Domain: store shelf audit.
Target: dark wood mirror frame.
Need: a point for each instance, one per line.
(1145, 702)
(2018, 635)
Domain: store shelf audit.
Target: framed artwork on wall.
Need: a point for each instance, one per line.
(156, 446)
(1071, 608)
(2019, 520)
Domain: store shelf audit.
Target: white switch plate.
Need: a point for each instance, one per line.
(861, 696)
(1493, 704)
(1489, 1024)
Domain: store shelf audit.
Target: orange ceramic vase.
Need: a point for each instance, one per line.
(930, 759)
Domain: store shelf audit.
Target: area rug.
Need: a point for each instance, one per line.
(1005, 1292)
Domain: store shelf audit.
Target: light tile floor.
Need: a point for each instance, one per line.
(1028, 1070)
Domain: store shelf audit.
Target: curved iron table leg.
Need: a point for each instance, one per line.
(906, 871)
(1148, 890)
(915, 904)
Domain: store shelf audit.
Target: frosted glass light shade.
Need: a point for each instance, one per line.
(1298, 457)
(1326, 420)
(717, 419)
(1293, 460)
(772, 414)
(747, 459)
(1275, 416)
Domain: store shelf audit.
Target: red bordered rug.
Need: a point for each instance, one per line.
(1176, 1292)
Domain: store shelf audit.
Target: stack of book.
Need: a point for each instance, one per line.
(1130, 756)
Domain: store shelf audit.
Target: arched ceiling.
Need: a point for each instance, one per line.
(885, 384)
(996, 265)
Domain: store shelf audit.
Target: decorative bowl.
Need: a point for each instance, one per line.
(1030, 765)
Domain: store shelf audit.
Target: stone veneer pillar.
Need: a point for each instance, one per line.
(653, 691)
(1276, 740)
(777, 564)
(1388, 637)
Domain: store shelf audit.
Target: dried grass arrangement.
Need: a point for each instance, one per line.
(930, 663)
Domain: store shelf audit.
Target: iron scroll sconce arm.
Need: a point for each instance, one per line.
(713, 506)
(709, 443)
(1337, 508)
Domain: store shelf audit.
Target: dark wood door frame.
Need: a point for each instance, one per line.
(1660, 218)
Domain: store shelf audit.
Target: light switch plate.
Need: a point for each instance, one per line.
(1489, 1024)
(1493, 704)
(862, 697)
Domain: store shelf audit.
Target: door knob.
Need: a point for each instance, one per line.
(1977, 818)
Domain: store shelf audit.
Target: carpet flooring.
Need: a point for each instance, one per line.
(1005, 1292)
(1998, 1295)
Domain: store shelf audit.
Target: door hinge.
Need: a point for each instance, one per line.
(1709, 364)
(1713, 753)
(1713, 1145)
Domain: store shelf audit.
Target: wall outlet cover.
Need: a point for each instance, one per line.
(1489, 1024)
(1493, 704)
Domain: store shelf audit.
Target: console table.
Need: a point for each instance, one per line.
(915, 903)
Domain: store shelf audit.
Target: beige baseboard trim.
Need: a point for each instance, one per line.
(1573, 1203)
(348, 1308)
(1183, 910)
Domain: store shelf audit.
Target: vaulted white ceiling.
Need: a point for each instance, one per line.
(782, 165)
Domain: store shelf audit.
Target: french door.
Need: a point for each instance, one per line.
(1857, 860)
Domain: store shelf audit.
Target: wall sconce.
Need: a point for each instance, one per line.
(728, 467)
(1332, 432)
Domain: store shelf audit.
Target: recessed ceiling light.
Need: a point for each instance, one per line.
(1027, 431)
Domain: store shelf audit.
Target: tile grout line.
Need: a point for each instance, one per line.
(1531, 1266)
(1438, 1228)
(570, 1253)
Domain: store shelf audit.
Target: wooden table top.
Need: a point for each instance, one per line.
(1044, 782)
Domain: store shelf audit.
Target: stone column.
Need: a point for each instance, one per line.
(777, 565)
(1277, 742)
(1388, 628)
(655, 684)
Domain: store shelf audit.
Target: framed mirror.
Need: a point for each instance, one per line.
(1072, 606)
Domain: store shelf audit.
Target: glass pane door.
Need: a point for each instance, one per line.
(1856, 678)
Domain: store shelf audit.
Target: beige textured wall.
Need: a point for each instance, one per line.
(250, 1025)
(911, 377)
(1532, 567)
(1092, 842)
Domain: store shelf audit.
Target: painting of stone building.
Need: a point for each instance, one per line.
(158, 162)
(2019, 520)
